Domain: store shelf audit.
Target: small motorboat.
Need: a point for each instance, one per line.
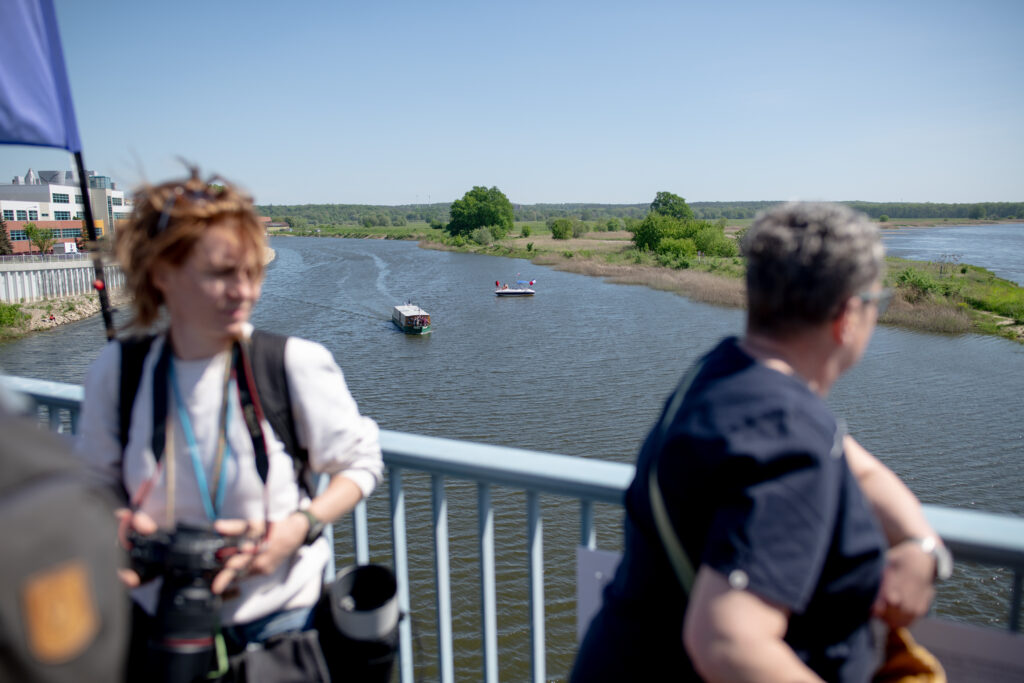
(515, 288)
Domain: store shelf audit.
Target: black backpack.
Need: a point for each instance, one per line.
(267, 358)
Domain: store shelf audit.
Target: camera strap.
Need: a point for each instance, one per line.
(213, 497)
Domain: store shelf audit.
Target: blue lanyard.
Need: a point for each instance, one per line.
(212, 508)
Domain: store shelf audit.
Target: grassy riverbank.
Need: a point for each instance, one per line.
(17, 320)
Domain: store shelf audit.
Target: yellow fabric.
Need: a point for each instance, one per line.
(906, 661)
(60, 614)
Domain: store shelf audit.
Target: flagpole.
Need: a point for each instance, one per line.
(97, 258)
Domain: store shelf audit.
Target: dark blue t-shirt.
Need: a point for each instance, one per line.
(757, 487)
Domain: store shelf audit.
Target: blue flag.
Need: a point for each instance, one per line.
(35, 98)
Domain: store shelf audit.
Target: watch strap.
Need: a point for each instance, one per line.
(316, 526)
(933, 546)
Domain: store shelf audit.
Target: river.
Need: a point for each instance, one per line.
(582, 369)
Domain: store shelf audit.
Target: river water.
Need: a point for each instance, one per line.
(996, 246)
(582, 369)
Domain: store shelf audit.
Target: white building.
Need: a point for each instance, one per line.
(53, 200)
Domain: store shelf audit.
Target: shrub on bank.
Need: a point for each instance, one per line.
(482, 236)
(678, 247)
(12, 317)
(663, 234)
(561, 228)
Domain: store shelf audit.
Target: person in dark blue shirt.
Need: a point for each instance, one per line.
(798, 535)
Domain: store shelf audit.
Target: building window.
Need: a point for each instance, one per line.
(33, 215)
(46, 215)
(59, 198)
(116, 201)
(22, 215)
(78, 199)
(61, 215)
(121, 216)
(8, 215)
(79, 216)
(19, 236)
(73, 233)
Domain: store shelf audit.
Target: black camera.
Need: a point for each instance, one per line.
(182, 638)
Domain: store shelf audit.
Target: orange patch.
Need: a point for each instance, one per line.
(60, 613)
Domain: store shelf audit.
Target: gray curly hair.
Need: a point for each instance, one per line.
(804, 260)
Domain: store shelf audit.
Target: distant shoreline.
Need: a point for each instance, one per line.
(46, 314)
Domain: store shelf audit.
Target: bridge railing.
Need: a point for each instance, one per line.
(985, 538)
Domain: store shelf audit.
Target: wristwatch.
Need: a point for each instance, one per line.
(316, 527)
(943, 558)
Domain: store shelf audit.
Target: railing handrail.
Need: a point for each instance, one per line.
(568, 475)
(985, 536)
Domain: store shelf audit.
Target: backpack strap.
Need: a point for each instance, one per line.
(271, 379)
(267, 351)
(133, 356)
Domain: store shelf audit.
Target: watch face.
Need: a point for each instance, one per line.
(943, 563)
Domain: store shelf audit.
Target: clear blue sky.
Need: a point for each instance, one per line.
(381, 102)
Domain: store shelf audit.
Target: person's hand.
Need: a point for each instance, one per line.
(258, 553)
(907, 585)
(127, 521)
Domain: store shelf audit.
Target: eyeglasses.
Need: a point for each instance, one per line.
(882, 298)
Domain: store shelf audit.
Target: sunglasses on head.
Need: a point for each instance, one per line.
(208, 193)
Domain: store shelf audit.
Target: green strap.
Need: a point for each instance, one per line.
(676, 555)
(222, 657)
(669, 538)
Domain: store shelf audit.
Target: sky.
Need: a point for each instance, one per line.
(395, 102)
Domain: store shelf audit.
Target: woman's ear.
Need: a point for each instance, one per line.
(842, 324)
(160, 277)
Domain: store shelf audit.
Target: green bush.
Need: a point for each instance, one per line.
(647, 234)
(916, 284)
(677, 247)
(11, 315)
(561, 228)
(529, 246)
(674, 261)
(526, 231)
(482, 236)
(713, 242)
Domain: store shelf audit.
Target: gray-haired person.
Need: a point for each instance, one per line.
(796, 534)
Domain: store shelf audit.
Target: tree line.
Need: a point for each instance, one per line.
(439, 214)
(366, 215)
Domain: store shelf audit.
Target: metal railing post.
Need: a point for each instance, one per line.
(442, 580)
(535, 552)
(588, 535)
(488, 592)
(400, 551)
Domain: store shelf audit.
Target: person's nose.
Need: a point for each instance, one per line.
(242, 285)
